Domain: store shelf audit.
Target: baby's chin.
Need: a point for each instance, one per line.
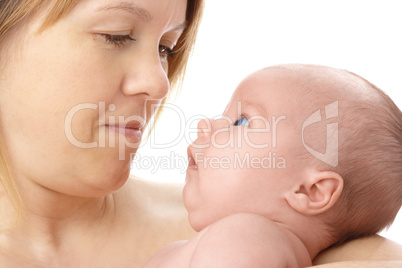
(198, 221)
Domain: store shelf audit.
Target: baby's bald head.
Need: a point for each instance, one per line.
(369, 145)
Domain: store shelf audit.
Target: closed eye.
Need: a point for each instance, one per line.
(117, 40)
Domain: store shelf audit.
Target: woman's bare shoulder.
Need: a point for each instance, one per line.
(363, 264)
(374, 248)
(149, 216)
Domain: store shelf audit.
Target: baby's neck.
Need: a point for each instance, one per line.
(311, 234)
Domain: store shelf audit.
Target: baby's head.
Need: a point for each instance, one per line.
(369, 156)
(300, 143)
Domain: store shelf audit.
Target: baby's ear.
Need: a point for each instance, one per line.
(316, 192)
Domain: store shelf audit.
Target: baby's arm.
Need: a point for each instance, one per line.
(240, 240)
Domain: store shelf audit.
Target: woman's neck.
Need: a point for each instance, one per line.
(53, 221)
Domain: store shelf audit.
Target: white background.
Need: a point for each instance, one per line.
(239, 37)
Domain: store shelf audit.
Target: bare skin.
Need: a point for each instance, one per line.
(74, 214)
(231, 242)
(149, 216)
(71, 218)
(138, 220)
(211, 196)
(376, 250)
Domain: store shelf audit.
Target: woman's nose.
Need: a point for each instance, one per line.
(146, 75)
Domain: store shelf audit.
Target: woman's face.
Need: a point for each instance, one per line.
(74, 98)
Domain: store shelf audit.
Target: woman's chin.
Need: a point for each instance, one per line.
(108, 179)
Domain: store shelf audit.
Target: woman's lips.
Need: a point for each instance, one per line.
(131, 131)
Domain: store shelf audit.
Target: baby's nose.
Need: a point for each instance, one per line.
(204, 127)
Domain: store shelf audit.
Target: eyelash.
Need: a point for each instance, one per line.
(118, 40)
(167, 51)
(121, 40)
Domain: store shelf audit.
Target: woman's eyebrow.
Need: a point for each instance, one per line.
(141, 13)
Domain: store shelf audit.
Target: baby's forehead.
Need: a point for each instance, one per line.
(298, 90)
(294, 77)
(269, 84)
(294, 91)
(294, 81)
(266, 95)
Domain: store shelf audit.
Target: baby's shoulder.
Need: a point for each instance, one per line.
(246, 240)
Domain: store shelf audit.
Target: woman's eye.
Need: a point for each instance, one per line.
(166, 52)
(117, 40)
(242, 121)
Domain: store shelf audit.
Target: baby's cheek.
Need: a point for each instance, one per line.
(221, 139)
(257, 139)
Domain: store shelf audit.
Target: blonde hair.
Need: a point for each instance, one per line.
(14, 12)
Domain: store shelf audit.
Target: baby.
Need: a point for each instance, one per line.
(304, 157)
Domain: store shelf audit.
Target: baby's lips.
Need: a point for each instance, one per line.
(191, 161)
